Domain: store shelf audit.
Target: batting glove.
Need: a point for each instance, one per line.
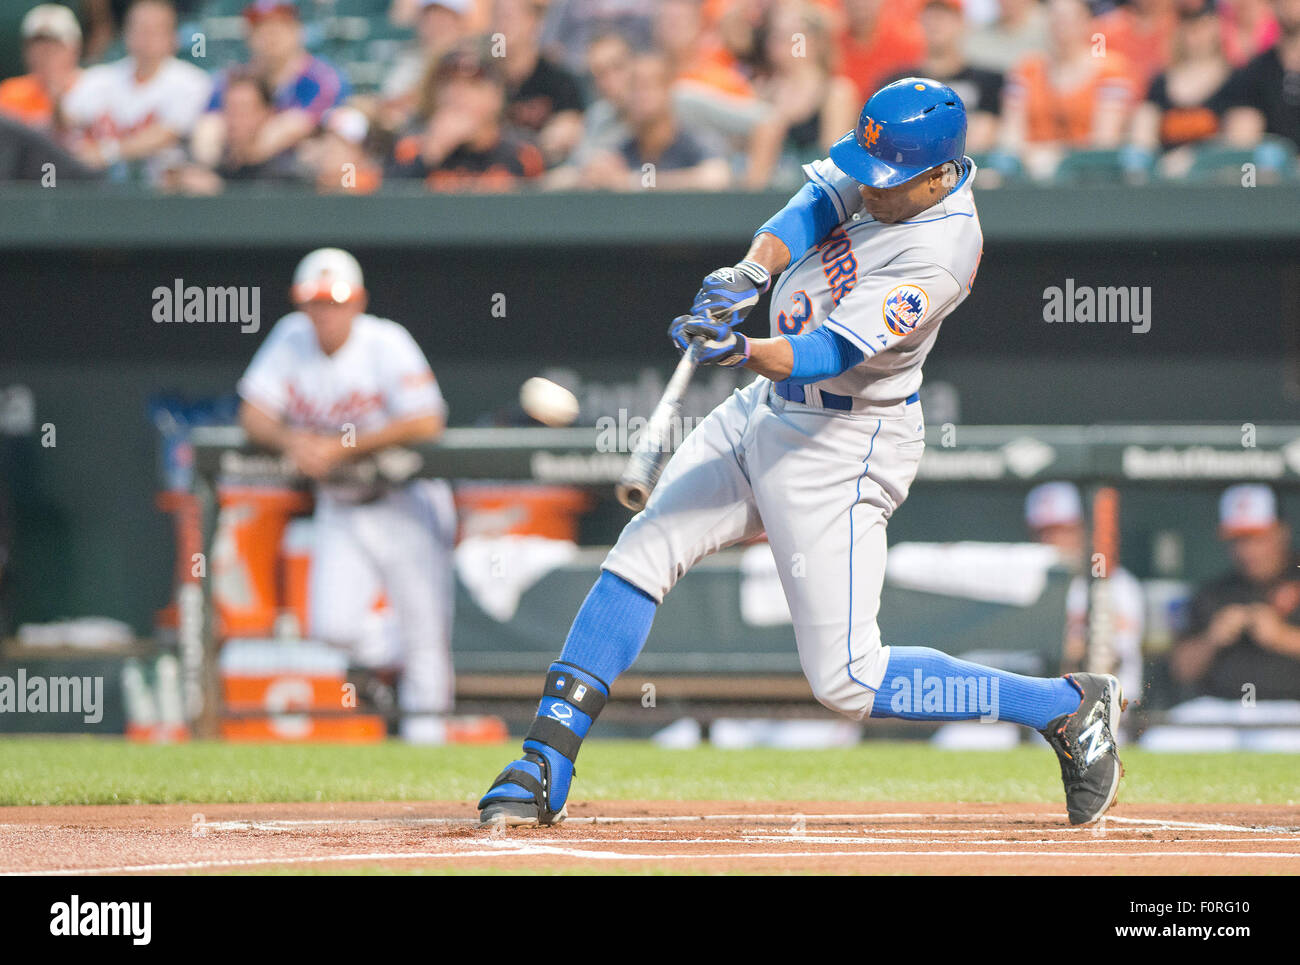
(727, 294)
(719, 344)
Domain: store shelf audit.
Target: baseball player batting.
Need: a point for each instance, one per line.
(879, 246)
(330, 385)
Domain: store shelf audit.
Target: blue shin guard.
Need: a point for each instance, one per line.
(606, 637)
(571, 700)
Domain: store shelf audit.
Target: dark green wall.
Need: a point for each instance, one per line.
(1224, 268)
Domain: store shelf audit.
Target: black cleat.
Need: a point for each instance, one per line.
(516, 814)
(1084, 742)
(507, 809)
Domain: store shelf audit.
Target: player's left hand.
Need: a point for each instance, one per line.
(721, 346)
(727, 294)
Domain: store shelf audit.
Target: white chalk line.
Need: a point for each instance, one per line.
(846, 839)
(1137, 824)
(615, 855)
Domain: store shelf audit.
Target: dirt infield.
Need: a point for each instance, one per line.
(626, 836)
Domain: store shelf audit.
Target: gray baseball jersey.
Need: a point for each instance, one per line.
(822, 467)
(885, 288)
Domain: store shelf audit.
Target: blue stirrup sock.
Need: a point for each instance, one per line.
(610, 629)
(925, 684)
(607, 635)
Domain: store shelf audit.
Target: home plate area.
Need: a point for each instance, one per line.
(668, 836)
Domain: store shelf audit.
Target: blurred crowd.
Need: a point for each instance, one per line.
(350, 96)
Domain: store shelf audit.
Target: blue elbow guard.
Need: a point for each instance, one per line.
(821, 354)
(807, 218)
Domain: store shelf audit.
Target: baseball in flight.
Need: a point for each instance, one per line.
(547, 402)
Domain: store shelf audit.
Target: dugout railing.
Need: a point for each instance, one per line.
(700, 670)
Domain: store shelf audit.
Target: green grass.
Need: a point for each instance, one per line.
(97, 771)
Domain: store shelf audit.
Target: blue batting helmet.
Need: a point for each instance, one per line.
(907, 127)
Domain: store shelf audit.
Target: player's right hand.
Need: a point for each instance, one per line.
(727, 294)
(719, 345)
(315, 456)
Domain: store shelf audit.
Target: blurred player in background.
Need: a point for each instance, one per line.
(332, 384)
(1054, 515)
(1244, 628)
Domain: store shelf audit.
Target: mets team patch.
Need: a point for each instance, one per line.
(904, 308)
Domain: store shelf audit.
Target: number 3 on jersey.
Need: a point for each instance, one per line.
(792, 323)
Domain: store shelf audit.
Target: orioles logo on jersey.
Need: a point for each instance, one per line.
(870, 132)
(904, 308)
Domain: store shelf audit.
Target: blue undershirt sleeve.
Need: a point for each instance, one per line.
(821, 354)
(806, 219)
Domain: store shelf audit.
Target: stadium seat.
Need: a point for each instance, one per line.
(1274, 159)
(1124, 165)
(998, 168)
(225, 8)
(348, 30)
(223, 28)
(361, 8)
(365, 76)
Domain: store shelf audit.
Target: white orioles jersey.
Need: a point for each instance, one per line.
(378, 376)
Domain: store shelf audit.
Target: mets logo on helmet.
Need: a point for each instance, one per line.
(904, 308)
(870, 132)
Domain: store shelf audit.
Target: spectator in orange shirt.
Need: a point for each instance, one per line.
(51, 47)
(882, 38)
(709, 89)
(1143, 34)
(1066, 98)
(694, 52)
(1180, 107)
(741, 27)
(465, 145)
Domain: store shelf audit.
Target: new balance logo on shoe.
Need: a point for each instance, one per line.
(1096, 744)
